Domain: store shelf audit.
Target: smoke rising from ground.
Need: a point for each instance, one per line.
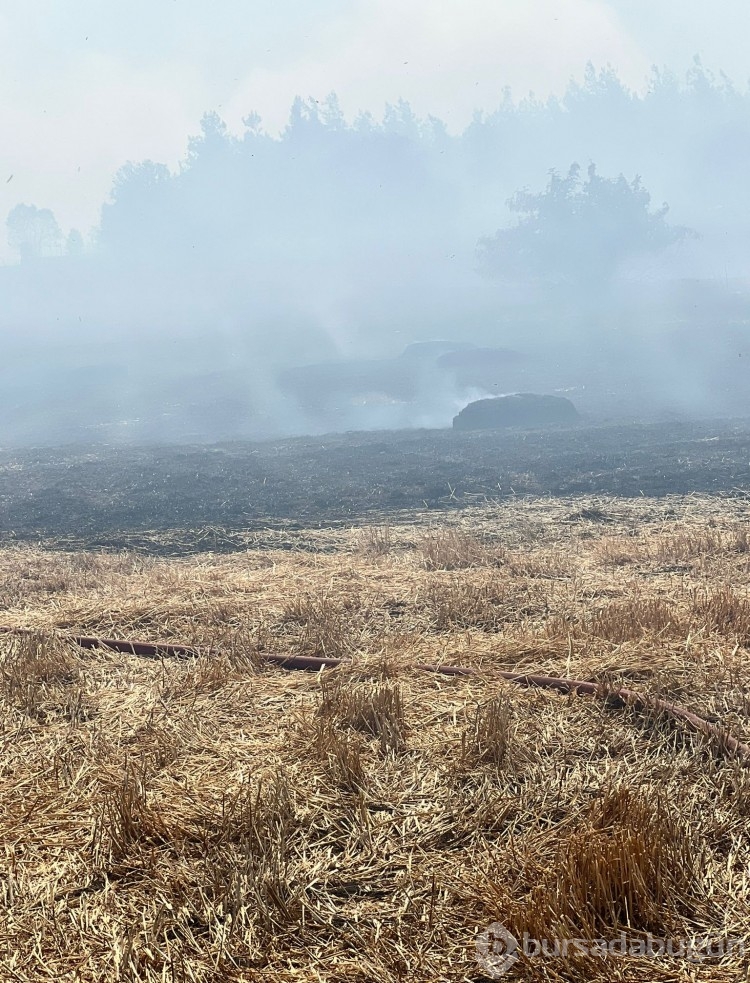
(272, 284)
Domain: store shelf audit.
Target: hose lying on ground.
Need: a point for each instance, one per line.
(619, 697)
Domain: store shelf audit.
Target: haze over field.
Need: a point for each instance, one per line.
(237, 226)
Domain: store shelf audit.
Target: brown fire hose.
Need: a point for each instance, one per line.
(620, 697)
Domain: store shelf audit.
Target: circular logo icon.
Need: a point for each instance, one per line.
(496, 950)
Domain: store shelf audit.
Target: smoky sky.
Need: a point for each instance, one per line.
(251, 223)
(87, 86)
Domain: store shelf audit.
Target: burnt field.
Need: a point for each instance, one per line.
(180, 498)
(207, 816)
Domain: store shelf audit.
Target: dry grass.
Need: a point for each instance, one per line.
(720, 609)
(214, 819)
(630, 863)
(377, 540)
(322, 624)
(626, 620)
(451, 548)
(489, 736)
(457, 603)
(373, 708)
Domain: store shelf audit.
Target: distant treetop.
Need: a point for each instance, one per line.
(577, 231)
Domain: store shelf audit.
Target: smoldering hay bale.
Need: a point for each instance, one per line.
(517, 410)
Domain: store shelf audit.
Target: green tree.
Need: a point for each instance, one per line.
(33, 232)
(577, 232)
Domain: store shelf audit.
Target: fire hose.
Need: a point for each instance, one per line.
(613, 697)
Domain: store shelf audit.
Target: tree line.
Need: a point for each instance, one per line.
(560, 190)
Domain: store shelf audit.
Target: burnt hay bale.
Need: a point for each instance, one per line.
(518, 410)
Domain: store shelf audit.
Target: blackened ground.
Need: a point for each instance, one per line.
(107, 496)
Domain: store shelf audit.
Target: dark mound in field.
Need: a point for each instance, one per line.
(518, 410)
